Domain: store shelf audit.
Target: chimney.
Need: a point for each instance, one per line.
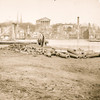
(21, 18)
(17, 18)
(77, 21)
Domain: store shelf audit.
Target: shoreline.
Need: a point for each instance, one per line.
(72, 43)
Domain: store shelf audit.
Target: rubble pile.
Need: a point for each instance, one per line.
(36, 50)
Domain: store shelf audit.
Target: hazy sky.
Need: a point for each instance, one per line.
(59, 11)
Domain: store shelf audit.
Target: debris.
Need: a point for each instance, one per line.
(36, 50)
(93, 55)
(62, 55)
(73, 55)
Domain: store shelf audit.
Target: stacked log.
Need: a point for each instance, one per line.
(49, 51)
(83, 54)
(92, 55)
(76, 53)
(63, 55)
(57, 52)
(73, 55)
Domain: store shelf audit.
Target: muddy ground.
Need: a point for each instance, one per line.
(25, 77)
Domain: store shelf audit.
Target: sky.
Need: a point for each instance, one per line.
(59, 11)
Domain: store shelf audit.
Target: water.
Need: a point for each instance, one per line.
(75, 44)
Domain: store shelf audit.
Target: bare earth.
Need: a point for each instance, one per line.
(24, 77)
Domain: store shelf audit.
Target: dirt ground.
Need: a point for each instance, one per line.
(25, 77)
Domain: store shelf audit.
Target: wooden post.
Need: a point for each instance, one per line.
(16, 29)
(1, 30)
(13, 36)
(78, 32)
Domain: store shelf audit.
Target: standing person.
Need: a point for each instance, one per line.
(41, 39)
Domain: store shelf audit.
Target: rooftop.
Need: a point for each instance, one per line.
(44, 19)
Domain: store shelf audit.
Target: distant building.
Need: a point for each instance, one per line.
(43, 22)
(84, 31)
(67, 30)
(43, 25)
(94, 33)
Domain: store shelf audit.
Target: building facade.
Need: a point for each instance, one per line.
(43, 22)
